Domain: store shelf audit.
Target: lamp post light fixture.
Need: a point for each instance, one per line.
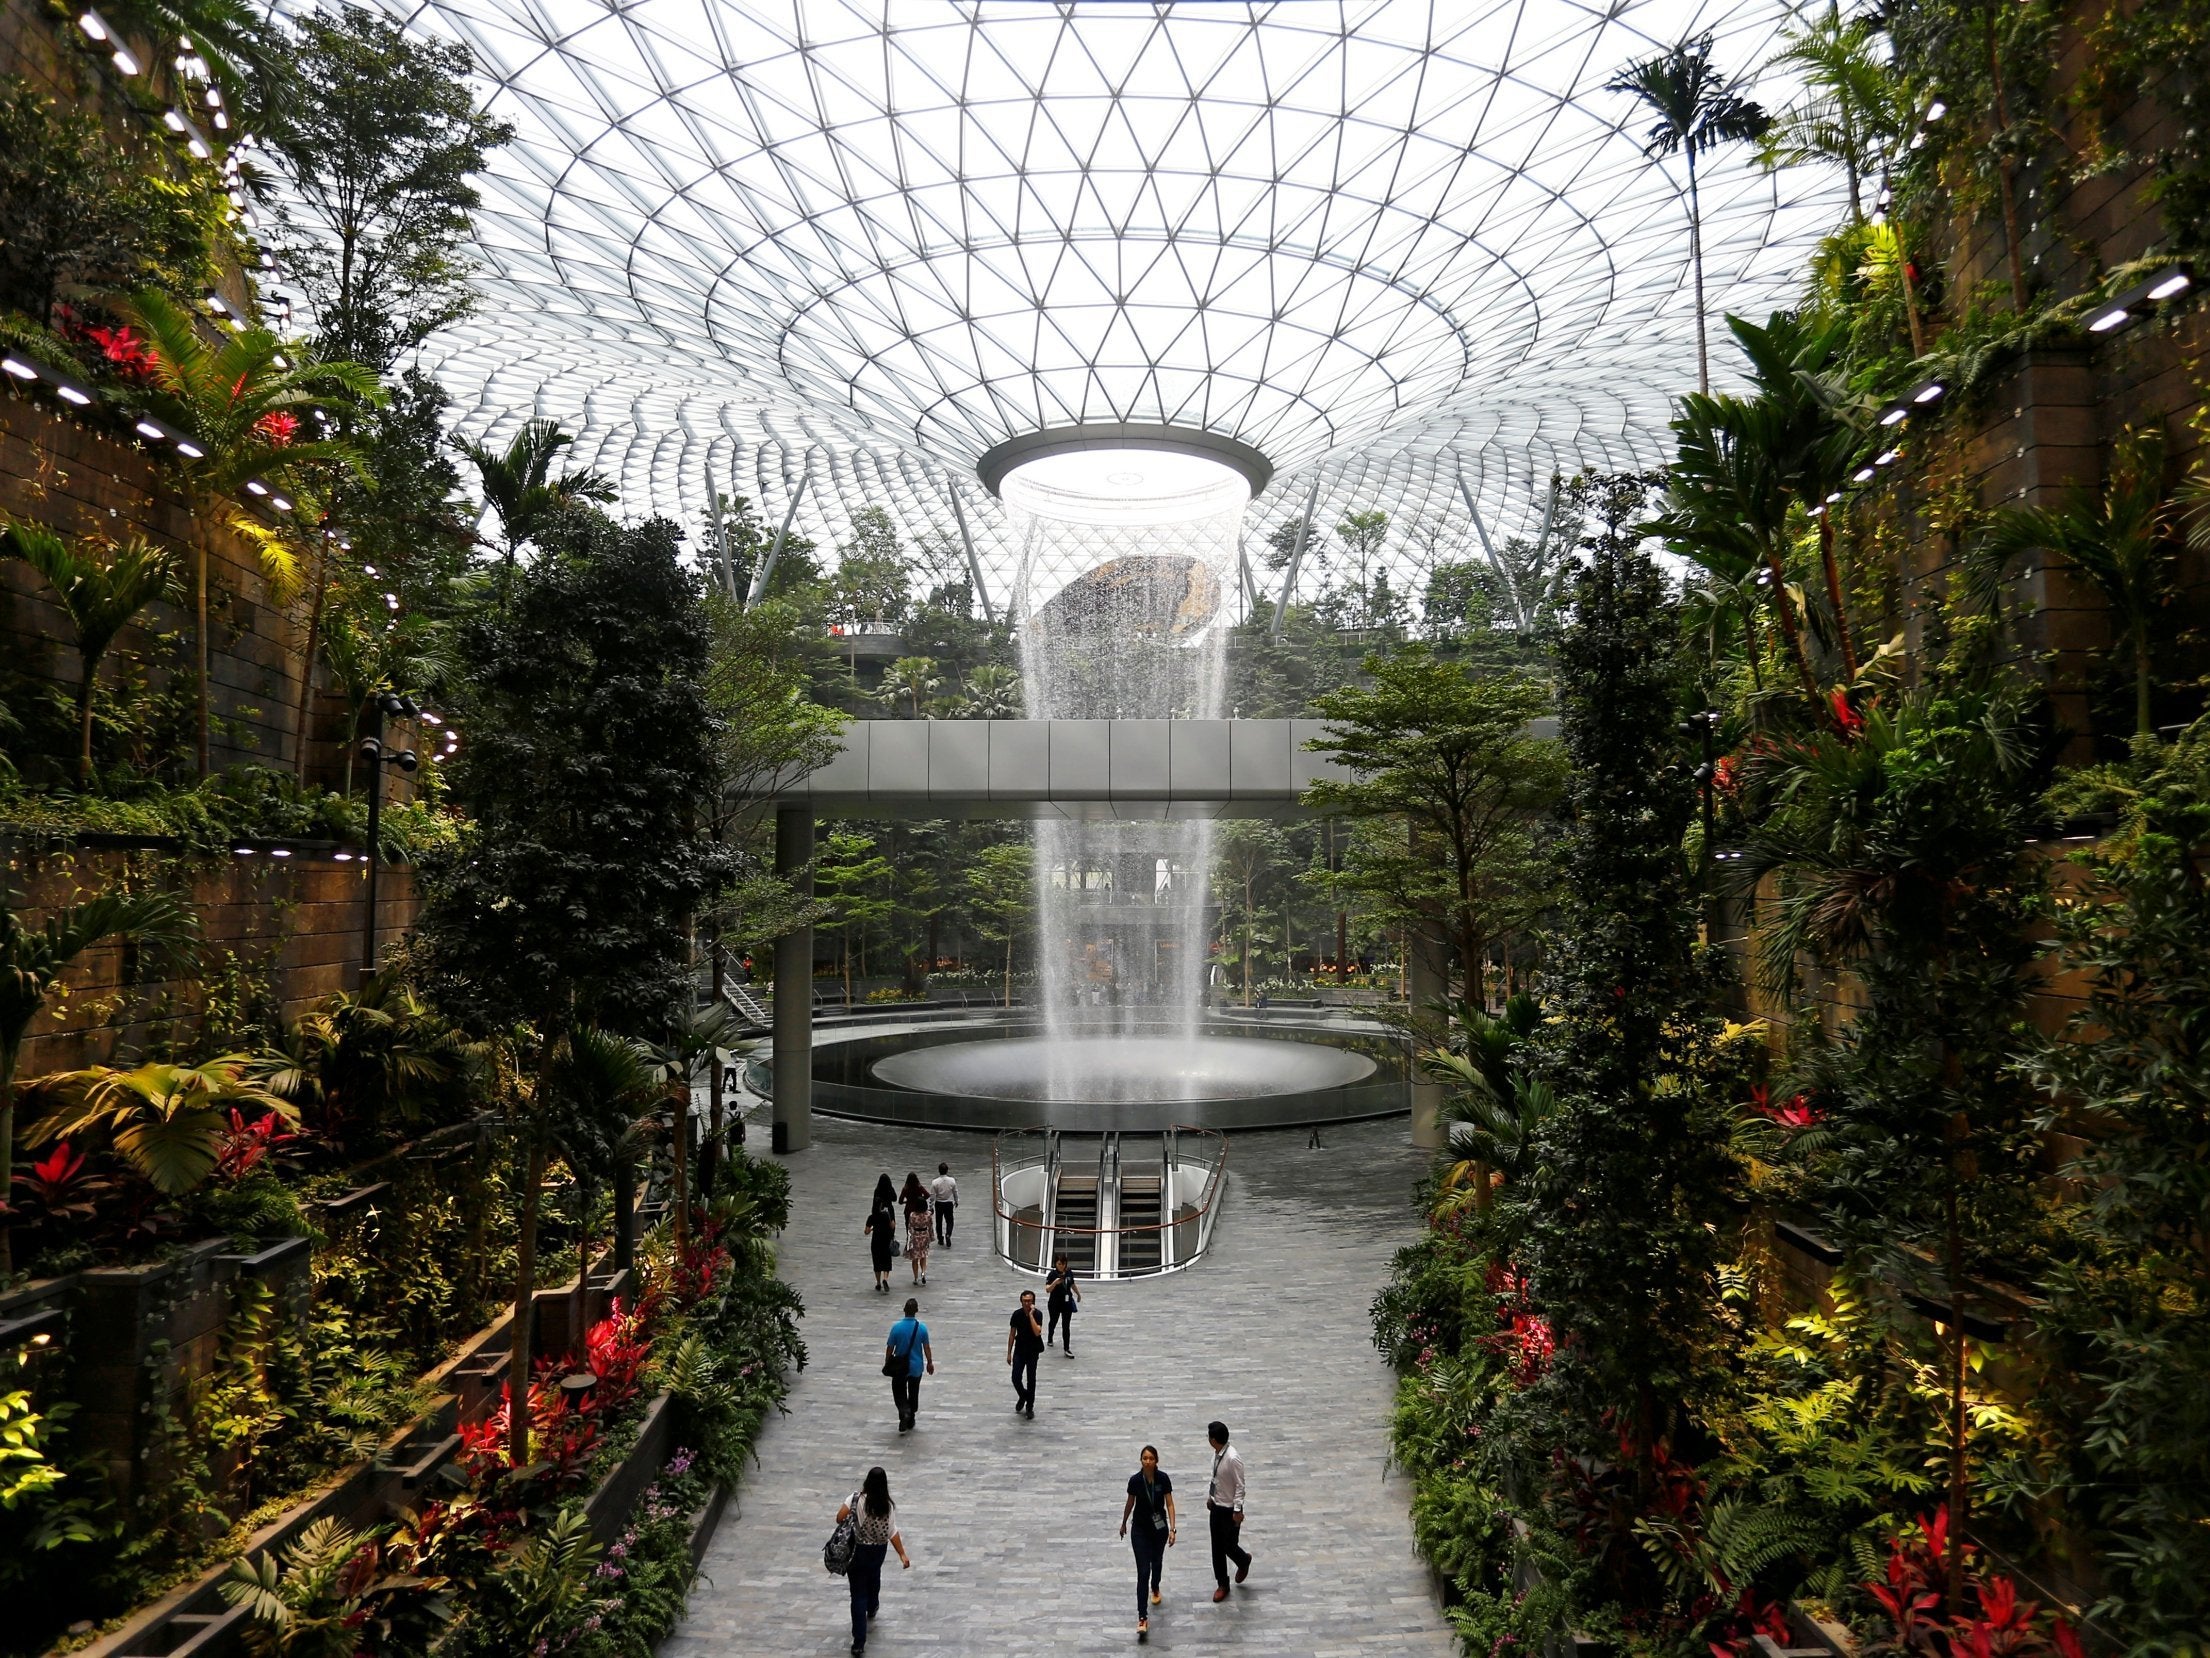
(1705, 726)
(376, 756)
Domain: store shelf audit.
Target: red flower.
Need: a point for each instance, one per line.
(246, 1144)
(1846, 719)
(1726, 775)
(277, 428)
(1798, 1114)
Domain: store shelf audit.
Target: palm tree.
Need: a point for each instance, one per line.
(243, 403)
(911, 678)
(32, 964)
(606, 1086)
(1857, 114)
(355, 1060)
(1748, 472)
(703, 1038)
(166, 1121)
(993, 693)
(100, 585)
(519, 486)
(1697, 109)
(369, 657)
(2122, 538)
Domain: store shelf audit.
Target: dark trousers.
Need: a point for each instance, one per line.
(906, 1390)
(1062, 1312)
(944, 1222)
(1150, 1544)
(1224, 1545)
(1024, 1377)
(866, 1585)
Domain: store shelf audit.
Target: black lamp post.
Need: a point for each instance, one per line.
(376, 757)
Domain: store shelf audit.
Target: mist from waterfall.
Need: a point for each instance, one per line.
(1122, 622)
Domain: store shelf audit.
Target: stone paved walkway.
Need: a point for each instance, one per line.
(1013, 1525)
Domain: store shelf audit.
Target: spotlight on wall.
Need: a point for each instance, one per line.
(2125, 309)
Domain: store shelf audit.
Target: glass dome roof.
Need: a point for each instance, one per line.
(1398, 244)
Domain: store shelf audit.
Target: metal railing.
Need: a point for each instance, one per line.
(1026, 1225)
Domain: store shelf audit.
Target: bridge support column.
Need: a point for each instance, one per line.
(1428, 981)
(793, 1130)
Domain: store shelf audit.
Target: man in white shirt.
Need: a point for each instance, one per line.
(1224, 1510)
(945, 1190)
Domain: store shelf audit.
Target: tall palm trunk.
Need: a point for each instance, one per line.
(307, 669)
(1785, 608)
(525, 1300)
(682, 1160)
(199, 632)
(1834, 594)
(7, 1156)
(85, 684)
(2006, 167)
(1756, 651)
(1696, 261)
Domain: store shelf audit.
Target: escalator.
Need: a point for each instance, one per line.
(1140, 1187)
(1074, 1215)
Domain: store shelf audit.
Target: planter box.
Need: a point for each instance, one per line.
(609, 1506)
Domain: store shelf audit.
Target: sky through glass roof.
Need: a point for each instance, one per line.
(1411, 249)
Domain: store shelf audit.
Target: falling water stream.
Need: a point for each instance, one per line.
(1123, 621)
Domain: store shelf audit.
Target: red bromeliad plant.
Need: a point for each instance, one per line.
(60, 1187)
(246, 1146)
(1913, 1595)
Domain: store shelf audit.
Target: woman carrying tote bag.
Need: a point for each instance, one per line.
(875, 1517)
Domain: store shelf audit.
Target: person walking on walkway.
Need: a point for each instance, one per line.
(915, 1198)
(1151, 1501)
(1023, 1343)
(945, 1190)
(1224, 1510)
(905, 1352)
(882, 1230)
(1063, 1295)
(876, 1518)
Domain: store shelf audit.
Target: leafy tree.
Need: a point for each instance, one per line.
(854, 881)
(1246, 853)
(167, 1121)
(244, 403)
(1620, 1235)
(371, 655)
(1899, 843)
(1697, 109)
(404, 516)
(569, 896)
(518, 484)
(88, 214)
(101, 586)
(1001, 891)
(379, 139)
(2129, 1301)
(32, 964)
(869, 591)
(1451, 752)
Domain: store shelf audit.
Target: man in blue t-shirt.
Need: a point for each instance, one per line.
(906, 1354)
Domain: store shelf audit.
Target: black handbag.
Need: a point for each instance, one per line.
(843, 1544)
(897, 1364)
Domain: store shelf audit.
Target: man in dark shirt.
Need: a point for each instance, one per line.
(1024, 1343)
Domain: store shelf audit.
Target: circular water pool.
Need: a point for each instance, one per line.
(1123, 1070)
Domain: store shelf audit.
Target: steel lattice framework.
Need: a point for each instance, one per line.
(1412, 250)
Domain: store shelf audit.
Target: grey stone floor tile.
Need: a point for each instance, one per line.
(1013, 1525)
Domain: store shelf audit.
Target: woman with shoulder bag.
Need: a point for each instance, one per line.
(876, 1517)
